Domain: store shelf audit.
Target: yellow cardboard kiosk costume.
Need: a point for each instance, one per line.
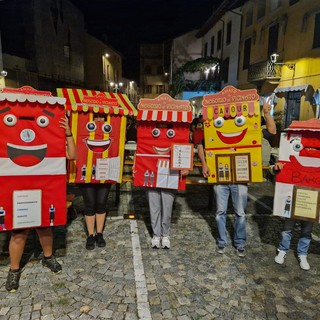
(232, 136)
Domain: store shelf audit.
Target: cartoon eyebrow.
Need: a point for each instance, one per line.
(5, 110)
(48, 113)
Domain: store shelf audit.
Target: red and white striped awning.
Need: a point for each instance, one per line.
(76, 100)
(164, 115)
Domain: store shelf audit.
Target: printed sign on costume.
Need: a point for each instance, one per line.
(32, 159)
(297, 191)
(163, 129)
(98, 124)
(233, 136)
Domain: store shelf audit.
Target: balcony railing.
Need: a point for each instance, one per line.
(264, 71)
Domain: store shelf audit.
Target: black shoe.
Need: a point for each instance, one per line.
(100, 241)
(52, 264)
(90, 244)
(13, 278)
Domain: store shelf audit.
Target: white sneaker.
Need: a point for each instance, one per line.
(304, 265)
(165, 242)
(155, 242)
(280, 257)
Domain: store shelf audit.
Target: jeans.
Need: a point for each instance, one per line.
(239, 196)
(304, 239)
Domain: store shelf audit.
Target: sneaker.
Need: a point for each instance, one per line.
(279, 259)
(155, 242)
(304, 265)
(52, 264)
(241, 252)
(13, 278)
(100, 241)
(220, 250)
(90, 244)
(165, 242)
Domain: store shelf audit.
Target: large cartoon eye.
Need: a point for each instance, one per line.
(171, 133)
(218, 122)
(156, 132)
(10, 120)
(42, 121)
(107, 128)
(297, 146)
(240, 121)
(91, 126)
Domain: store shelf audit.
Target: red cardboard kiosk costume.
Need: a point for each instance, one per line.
(297, 191)
(32, 159)
(100, 146)
(162, 122)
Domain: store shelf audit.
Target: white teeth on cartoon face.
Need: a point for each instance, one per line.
(230, 135)
(158, 150)
(37, 152)
(98, 146)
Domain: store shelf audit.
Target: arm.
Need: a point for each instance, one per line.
(270, 124)
(276, 167)
(71, 152)
(201, 155)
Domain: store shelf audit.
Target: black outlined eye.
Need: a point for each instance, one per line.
(240, 121)
(10, 120)
(219, 122)
(297, 146)
(156, 132)
(106, 128)
(91, 126)
(43, 121)
(171, 133)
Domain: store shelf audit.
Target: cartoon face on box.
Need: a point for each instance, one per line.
(233, 135)
(166, 122)
(98, 137)
(32, 158)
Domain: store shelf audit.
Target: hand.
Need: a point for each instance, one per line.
(64, 123)
(266, 107)
(184, 172)
(205, 171)
(278, 166)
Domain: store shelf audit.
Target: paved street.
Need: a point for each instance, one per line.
(129, 280)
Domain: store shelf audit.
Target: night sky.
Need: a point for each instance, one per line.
(125, 24)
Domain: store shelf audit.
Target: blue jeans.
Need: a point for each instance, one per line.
(239, 196)
(304, 239)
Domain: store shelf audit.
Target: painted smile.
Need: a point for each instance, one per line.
(161, 151)
(97, 146)
(26, 156)
(232, 138)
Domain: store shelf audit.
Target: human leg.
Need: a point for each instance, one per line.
(239, 195)
(221, 196)
(46, 241)
(284, 244)
(16, 246)
(304, 243)
(154, 200)
(167, 199)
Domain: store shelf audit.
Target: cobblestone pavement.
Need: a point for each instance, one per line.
(129, 280)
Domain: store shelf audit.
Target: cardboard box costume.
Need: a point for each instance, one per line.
(297, 190)
(232, 131)
(32, 159)
(162, 122)
(100, 145)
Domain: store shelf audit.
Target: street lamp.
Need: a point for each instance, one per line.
(116, 86)
(274, 58)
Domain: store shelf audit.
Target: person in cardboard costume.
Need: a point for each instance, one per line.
(297, 191)
(98, 123)
(162, 122)
(33, 170)
(233, 154)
